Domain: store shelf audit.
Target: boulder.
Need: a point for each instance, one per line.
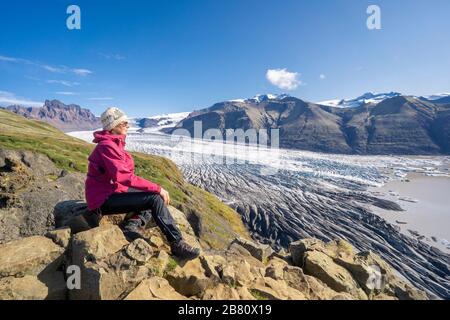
(375, 276)
(244, 293)
(284, 290)
(243, 273)
(342, 296)
(300, 247)
(190, 279)
(296, 279)
(109, 279)
(29, 256)
(319, 290)
(221, 292)
(110, 266)
(156, 241)
(96, 244)
(154, 288)
(228, 275)
(212, 264)
(383, 296)
(404, 291)
(139, 250)
(360, 274)
(333, 249)
(271, 289)
(52, 286)
(257, 250)
(236, 272)
(60, 236)
(275, 268)
(336, 277)
(115, 219)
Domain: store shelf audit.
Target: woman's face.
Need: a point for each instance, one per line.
(121, 128)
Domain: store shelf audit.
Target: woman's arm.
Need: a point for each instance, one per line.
(119, 172)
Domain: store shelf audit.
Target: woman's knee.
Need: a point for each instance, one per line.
(155, 199)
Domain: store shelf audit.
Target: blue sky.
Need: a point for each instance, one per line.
(152, 57)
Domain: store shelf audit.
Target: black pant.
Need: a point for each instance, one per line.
(143, 201)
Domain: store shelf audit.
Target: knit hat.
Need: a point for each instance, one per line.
(112, 117)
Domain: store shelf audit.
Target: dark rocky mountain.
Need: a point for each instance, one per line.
(397, 125)
(64, 117)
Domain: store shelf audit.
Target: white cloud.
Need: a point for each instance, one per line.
(101, 99)
(114, 56)
(66, 93)
(283, 79)
(53, 69)
(9, 59)
(64, 82)
(322, 77)
(64, 69)
(8, 98)
(82, 72)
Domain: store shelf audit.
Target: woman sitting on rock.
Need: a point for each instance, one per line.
(111, 174)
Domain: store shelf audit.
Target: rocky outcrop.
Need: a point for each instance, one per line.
(360, 274)
(29, 256)
(154, 288)
(30, 188)
(64, 117)
(31, 268)
(112, 268)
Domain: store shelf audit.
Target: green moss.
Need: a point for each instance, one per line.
(220, 223)
(257, 295)
(171, 265)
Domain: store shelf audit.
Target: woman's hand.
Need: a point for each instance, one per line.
(165, 195)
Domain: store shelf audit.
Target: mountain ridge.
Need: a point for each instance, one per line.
(69, 117)
(396, 125)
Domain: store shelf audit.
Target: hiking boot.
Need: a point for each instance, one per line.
(183, 250)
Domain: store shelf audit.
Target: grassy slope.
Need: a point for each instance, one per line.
(219, 223)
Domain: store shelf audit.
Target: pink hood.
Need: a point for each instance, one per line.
(111, 170)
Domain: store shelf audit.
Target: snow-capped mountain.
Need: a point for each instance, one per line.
(158, 122)
(437, 96)
(368, 97)
(263, 97)
(442, 98)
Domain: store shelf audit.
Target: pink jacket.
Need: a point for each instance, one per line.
(111, 170)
